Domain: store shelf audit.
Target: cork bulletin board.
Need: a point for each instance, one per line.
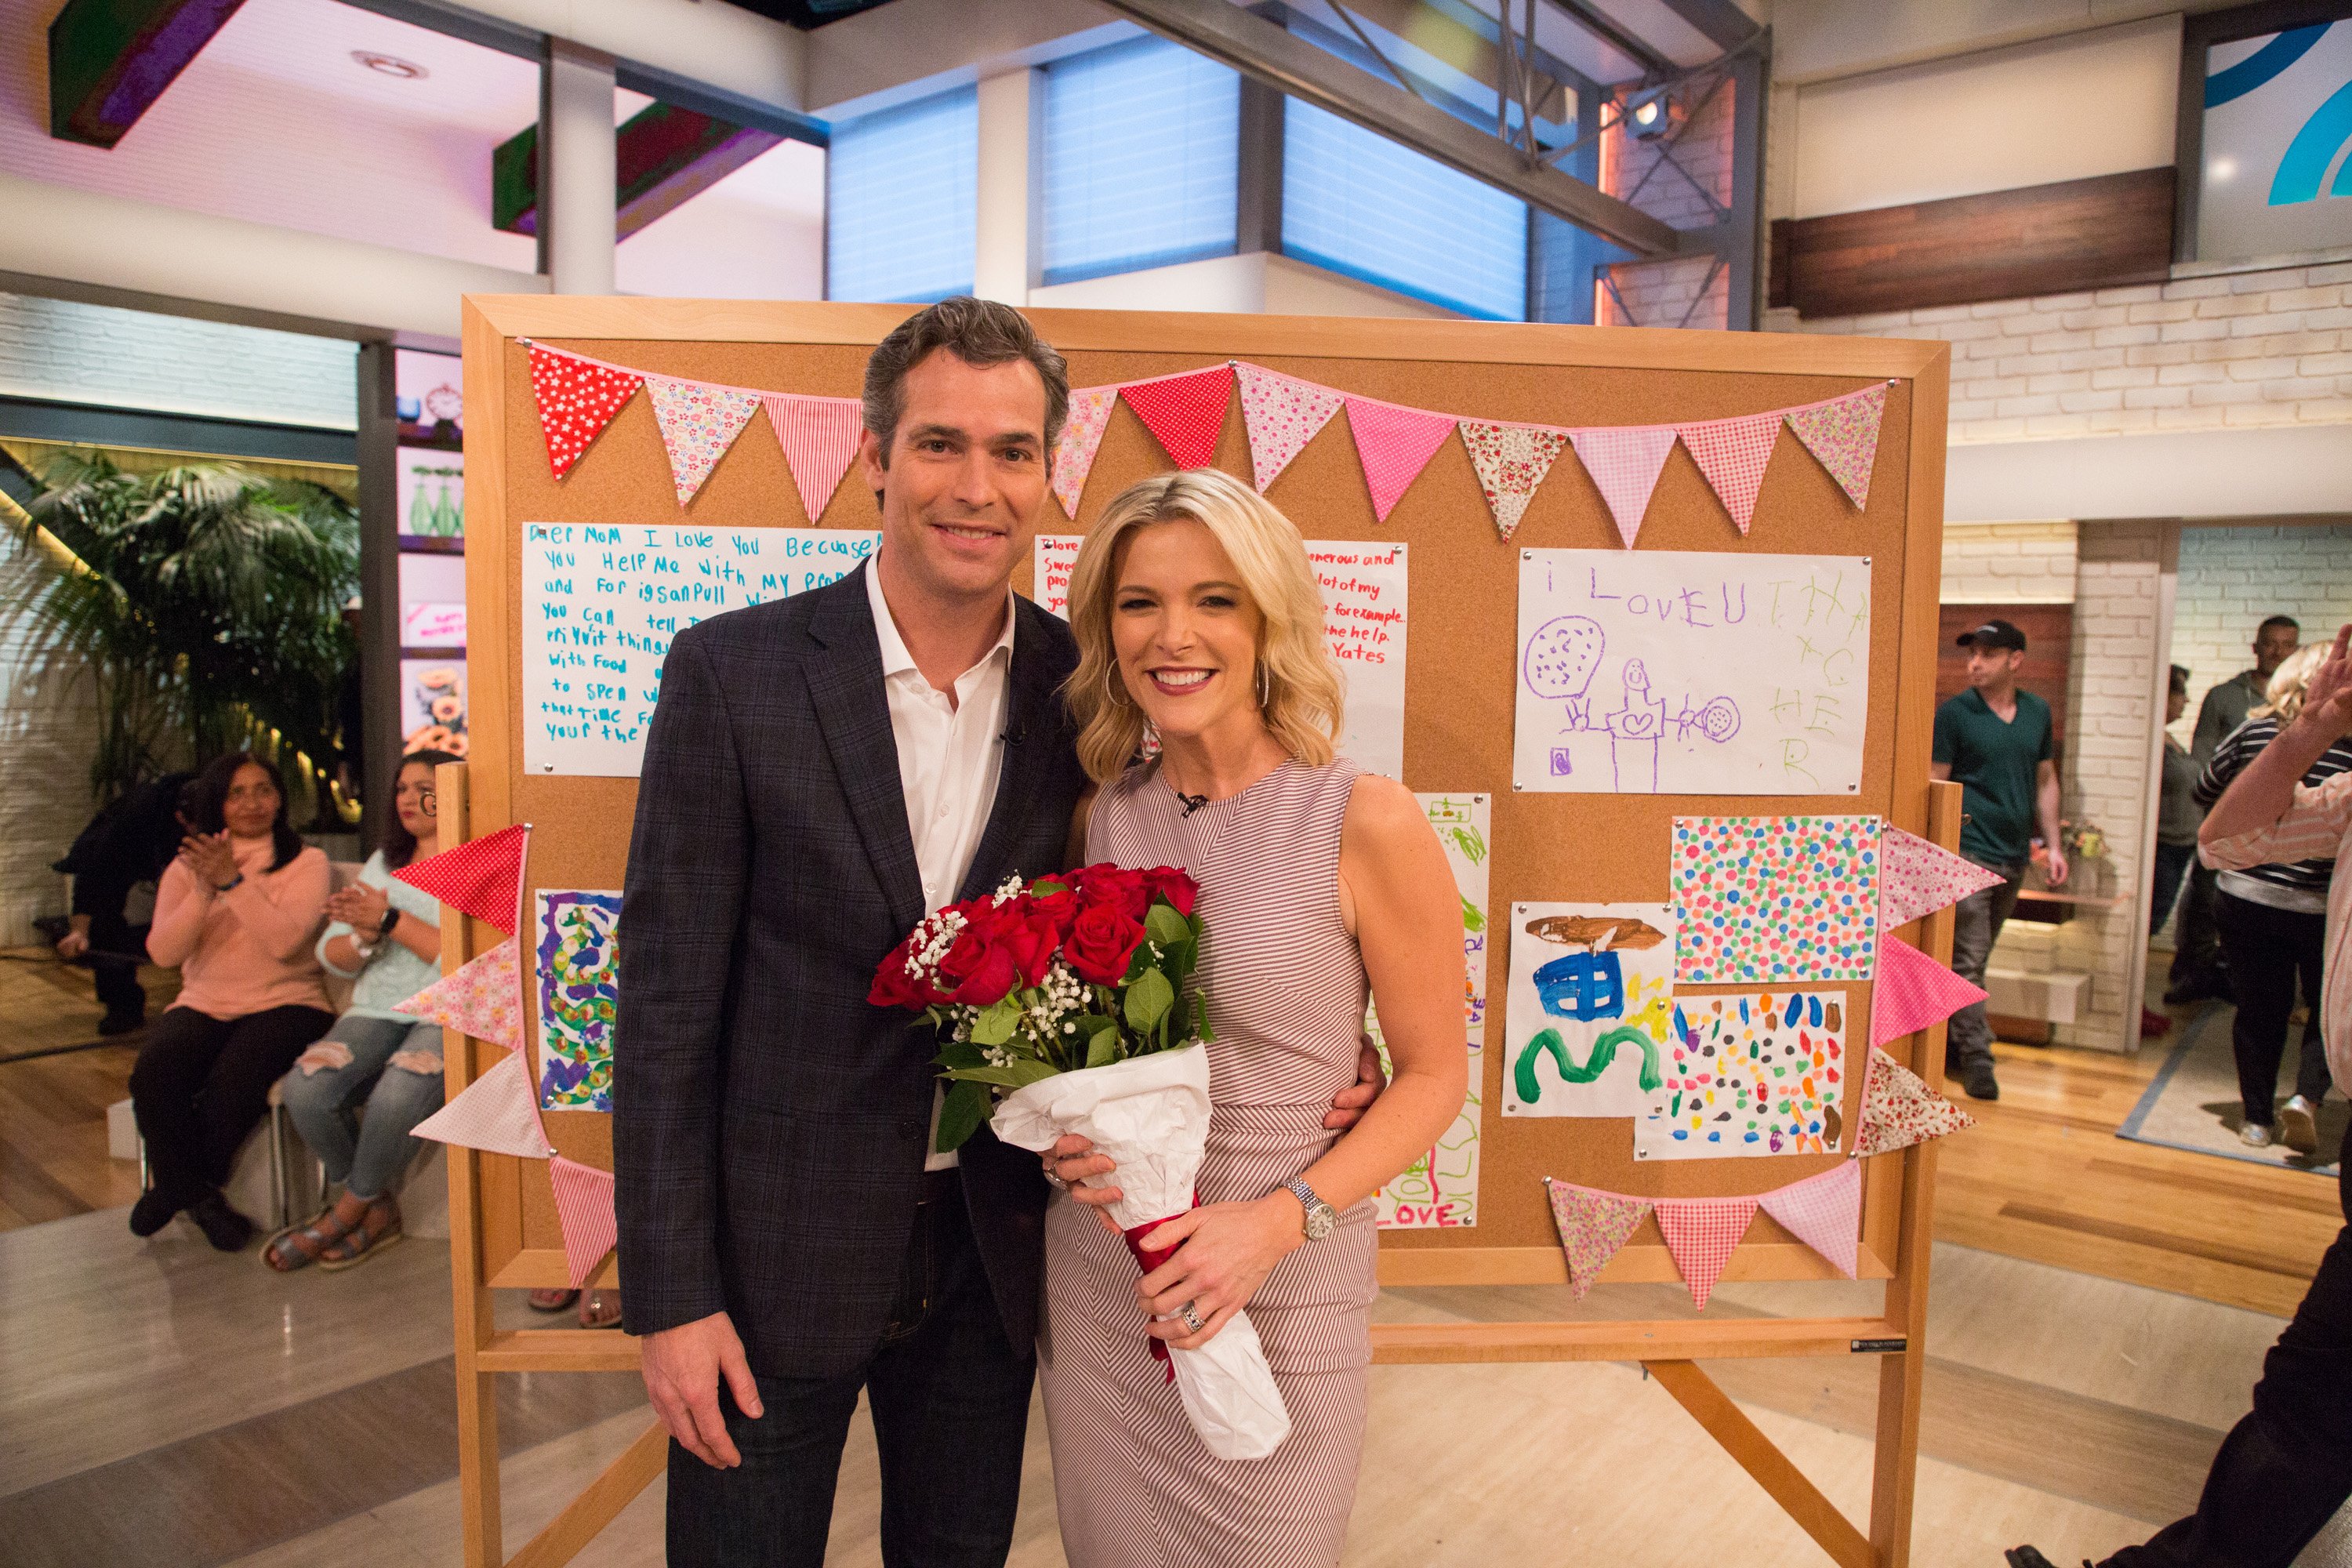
(1460, 676)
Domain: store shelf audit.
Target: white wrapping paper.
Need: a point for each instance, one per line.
(1151, 1114)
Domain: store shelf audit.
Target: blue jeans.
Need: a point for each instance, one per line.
(951, 1404)
(367, 1156)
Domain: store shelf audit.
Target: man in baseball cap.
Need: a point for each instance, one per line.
(1996, 742)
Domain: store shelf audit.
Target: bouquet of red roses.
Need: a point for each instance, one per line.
(1066, 1000)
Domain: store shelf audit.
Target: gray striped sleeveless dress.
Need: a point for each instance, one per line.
(1286, 991)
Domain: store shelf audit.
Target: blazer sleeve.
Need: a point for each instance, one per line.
(680, 905)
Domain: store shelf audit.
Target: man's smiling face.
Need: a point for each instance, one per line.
(966, 473)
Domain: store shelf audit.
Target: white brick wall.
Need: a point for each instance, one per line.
(2232, 577)
(1683, 290)
(2008, 563)
(68, 352)
(48, 733)
(2197, 354)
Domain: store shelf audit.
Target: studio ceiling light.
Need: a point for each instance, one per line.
(391, 65)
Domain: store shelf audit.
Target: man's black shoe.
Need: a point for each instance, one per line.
(2031, 1557)
(227, 1229)
(121, 1023)
(2197, 988)
(1976, 1077)
(151, 1213)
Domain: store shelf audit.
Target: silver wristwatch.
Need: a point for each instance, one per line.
(1322, 1219)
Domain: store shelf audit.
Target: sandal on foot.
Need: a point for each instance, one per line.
(599, 1310)
(300, 1245)
(555, 1299)
(378, 1230)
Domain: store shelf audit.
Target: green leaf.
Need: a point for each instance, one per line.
(1148, 1001)
(1201, 1018)
(1003, 1078)
(959, 1053)
(995, 1026)
(1103, 1048)
(1028, 1072)
(1166, 927)
(965, 1109)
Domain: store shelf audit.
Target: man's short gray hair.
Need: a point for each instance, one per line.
(977, 332)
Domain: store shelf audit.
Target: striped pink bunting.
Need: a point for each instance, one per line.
(819, 436)
(584, 1206)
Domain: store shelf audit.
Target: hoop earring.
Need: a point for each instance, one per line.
(1262, 689)
(1110, 692)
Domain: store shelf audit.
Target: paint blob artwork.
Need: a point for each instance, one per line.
(1440, 1189)
(1750, 1073)
(579, 973)
(1592, 1008)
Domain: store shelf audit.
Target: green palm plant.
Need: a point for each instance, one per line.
(206, 601)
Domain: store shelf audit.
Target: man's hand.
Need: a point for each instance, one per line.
(2055, 872)
(682, 1367)
(1348, 1106)
(76, 942)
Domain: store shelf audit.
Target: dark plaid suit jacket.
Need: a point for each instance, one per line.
(769, 1126)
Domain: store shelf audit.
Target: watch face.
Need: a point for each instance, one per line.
(1321, 1220)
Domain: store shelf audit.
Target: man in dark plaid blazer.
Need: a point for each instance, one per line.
(783, 1244)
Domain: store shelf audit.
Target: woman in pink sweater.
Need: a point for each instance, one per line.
(237, 912)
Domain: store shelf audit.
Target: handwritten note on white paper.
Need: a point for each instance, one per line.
(601, 602)
(1056, 554)
(1691, 672)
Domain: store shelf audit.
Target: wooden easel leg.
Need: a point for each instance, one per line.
(599, 1503)
(478, 1468)
(1744, 1441)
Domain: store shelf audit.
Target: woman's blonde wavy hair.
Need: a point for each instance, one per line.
(2284, 695)
(1304, 703)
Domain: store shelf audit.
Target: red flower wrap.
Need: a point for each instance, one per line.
(1148, 1259)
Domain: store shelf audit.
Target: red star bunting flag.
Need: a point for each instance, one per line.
(576, 400)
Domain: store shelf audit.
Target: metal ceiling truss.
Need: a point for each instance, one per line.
(1350, 75)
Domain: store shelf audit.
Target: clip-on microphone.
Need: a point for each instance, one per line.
(1193, 803)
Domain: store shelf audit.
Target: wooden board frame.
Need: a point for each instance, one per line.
(501, 1212)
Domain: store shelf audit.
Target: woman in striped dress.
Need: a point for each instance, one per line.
(1197, 614)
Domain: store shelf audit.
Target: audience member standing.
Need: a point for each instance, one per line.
(2177, 816)
(128, 842)
(237, 912)
(2272, 920)
(2284, 1470)
(2200, 968)
(1996, 741)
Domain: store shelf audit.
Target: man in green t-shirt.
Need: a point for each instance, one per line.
(1996, 741)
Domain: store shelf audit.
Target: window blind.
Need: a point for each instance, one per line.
(901, 202)
(1140, 159)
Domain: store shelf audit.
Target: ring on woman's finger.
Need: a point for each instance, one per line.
(1192, 1319)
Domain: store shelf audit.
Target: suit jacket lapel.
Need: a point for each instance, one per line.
(1030, 737)
(854, 712)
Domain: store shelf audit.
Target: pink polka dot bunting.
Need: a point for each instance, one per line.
(576, 401)
(1766, 900)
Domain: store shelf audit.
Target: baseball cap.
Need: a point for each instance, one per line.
(1993, 634)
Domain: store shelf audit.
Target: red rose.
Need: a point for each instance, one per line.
(1060, 905)
(978, 970)
(1114, 887)
(1028, 936)
(895, 987)
(1172, 884)
(1101, 943)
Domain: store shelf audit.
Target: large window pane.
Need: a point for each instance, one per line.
(1140, 159)
(1360, 204)
(901, 202)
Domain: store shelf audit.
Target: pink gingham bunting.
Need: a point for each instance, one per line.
(1915, 878)
(698, 423)
(1511, 460)
(1393, 445)
(1281, 415)
(1082, 434)
(819, 436)
(1913, 992)
(583, 1207)
(1824, 1212)
(1624, 465)
(1593, 1226)
(1732, 454)
(483, 999)
(1701, 1234)
(1843, 434)
(498, 1113)
(1899, 1109)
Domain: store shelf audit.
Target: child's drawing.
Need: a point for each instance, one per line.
(1592, 1008)
(1440, 1189)
(1756, 1072)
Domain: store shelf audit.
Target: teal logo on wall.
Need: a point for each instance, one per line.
(2278, 144)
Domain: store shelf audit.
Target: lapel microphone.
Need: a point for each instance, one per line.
(1193, 803)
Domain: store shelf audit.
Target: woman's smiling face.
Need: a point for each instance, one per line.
(251, 806)
(1184, 628)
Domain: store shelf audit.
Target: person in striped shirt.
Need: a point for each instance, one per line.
(2272, 920)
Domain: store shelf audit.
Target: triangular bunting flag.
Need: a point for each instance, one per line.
(1701, 1234)
(1732, 453)
(483, 999)
(1281, 413)
(498, 1114)
(1185, 413)
(1593, 1226)
(1393, 445)
(1917, 879)
(698, 423)
(1843, 435)
(1913, 992)
(1624, 465)
(583, 1207)
(576, 401)
(483, 877)
(1824, 1212)
(1511, 460)
(1082, 434)
(819, 436)
(1899, 1109)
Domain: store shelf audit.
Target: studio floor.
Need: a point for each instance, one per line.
(2099, 1312)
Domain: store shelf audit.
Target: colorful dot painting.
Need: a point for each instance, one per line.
(1748, 1072)
(1767, 899)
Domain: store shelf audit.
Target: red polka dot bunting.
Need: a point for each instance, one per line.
(577, 399)
(1185, 413)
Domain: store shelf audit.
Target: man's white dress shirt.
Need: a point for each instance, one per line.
(950, 754)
